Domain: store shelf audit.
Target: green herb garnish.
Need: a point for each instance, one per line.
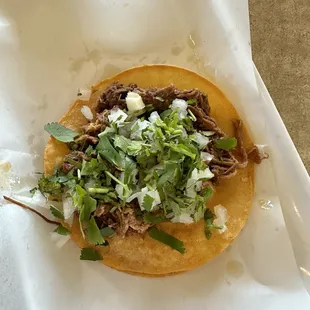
(93, 233)
(191, 101)
(60, 132)
(90, 254)
(167, 239)
(107, 232)
(226, 143)
(61, 230)
(150, 218)
(57, 213)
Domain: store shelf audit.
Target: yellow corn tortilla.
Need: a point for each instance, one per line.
(139, 254)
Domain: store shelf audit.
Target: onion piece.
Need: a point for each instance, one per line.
(181, 106)
(183, 218)
(134, 102)
(201, 140)
(86, 111)
(205, 156)
(221, 218)
(117, 116)
(152, 193)
(68, 207)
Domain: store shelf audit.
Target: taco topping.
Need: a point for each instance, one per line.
(147, 156)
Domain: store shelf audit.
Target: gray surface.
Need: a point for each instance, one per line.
(281, 51)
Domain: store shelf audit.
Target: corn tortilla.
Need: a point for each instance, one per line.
(139, 254)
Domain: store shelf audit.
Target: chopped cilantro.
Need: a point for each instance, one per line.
(60, 132)
(106, 150)
(226, 143)
(89, 206)
(90, 254)
(57, 213)
(191, 101)
(49, 186)
(150, 218)
(208, 218)
(93, 233)
(107, 231)
(167, 239)
(78, 196)
(148, 202)
(207, 193)
(61, 230)
(33, 190)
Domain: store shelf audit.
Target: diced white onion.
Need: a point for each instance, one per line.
(154, 116)
(201, 140)
(183, 218)
(152, 193)
(117, 116)
(208, 133)
(205, 156)
(137, 134)
(221, 217)
(134, 102)
(84, 94)
(181, 106)
(119, 190)
(202, 174)
(59, 240)
(68, 207)
(86, 111)
(133, 196)
(198, 186)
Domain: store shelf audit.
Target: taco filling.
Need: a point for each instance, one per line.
(145, 156)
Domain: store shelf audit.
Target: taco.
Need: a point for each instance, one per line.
(152, 170)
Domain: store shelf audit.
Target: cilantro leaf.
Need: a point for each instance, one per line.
(208, 218)
(78, 196)
(89, 206)
(150, 218)
(148, 202)
(107, 231)
(131, 147)
(60, 132)
(61, 230)
(106, 149)
(130, 171)
(167, 239)
(226, 143)
(93, 167)
(90, 254)
(57, 213)
(208, 193)
(191, 101)
(93, 233)
(49, 186)
(33, 190)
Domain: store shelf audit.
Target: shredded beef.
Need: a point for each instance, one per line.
(77, 156)
(123, 220)
(255, 155)
(160, 98)
(223, 165)
(238, 126)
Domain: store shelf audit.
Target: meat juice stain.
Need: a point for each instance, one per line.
(234, 269)
(110, 70)
(265, 204)
(176, 50)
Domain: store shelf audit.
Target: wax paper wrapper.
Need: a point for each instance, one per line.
(49, 50)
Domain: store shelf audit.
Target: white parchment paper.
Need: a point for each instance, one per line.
(48, 50)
